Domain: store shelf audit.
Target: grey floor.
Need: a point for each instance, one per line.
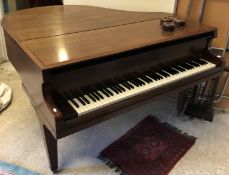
(21, 141)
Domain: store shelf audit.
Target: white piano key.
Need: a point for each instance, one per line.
(137, 90)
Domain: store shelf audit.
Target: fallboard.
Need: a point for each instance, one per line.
(79, 75)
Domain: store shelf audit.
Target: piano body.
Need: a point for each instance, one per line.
(81, 65)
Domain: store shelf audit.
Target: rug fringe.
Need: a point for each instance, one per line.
(111, 164)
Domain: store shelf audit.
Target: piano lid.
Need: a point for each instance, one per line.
(60, 35)
(50, 21)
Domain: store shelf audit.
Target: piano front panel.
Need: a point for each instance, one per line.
(115, 108)
(79, 75)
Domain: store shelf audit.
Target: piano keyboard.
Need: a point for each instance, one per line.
(101, 94)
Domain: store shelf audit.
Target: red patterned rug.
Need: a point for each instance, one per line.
(150, 148)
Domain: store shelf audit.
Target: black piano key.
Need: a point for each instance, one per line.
(176, 71)
(81, 95)
(89, 94)
(114, 89)
(92, 92)
(105, 89)
(128, 78)
(187, 67)
(74, 93)
(67, 97)
(85, 99)
(127, 85)
(149, 74)
(199, 61)
(146, 78)
(196, 63)
(143, 77)
(120, 87)
(179, 68)
(154, 75)
(101, 88)
(99, 94)
(91, 97)
(123, 83)
(193, 64)
(163, 73)
(105, 93)
(106, 86)
(110, 85)
(109, 92)
(95, 91)
(141, 82)
(190, 65)
(115, 85)
(169, 70)
(136, 80)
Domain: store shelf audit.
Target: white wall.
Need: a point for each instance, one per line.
(2, 42)
(131, 5)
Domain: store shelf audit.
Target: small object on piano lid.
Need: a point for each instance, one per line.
(168, 26)
(179, 22)
(166, 19)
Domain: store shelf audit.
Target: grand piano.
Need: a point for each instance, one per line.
(81, 65)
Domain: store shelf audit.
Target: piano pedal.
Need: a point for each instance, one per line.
(201, 111)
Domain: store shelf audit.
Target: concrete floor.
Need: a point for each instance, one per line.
(21, 141)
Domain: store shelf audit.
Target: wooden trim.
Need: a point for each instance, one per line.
(175, 7)
(3, 55)
(183, 8)
(196, 10)
(226, 43)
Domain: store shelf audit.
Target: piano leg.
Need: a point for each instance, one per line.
(51, 149)
(181, 99)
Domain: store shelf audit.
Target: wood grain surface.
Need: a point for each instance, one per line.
(61, 35)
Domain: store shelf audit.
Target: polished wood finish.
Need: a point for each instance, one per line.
(58, 40)
(59, 20)
(71, 46)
